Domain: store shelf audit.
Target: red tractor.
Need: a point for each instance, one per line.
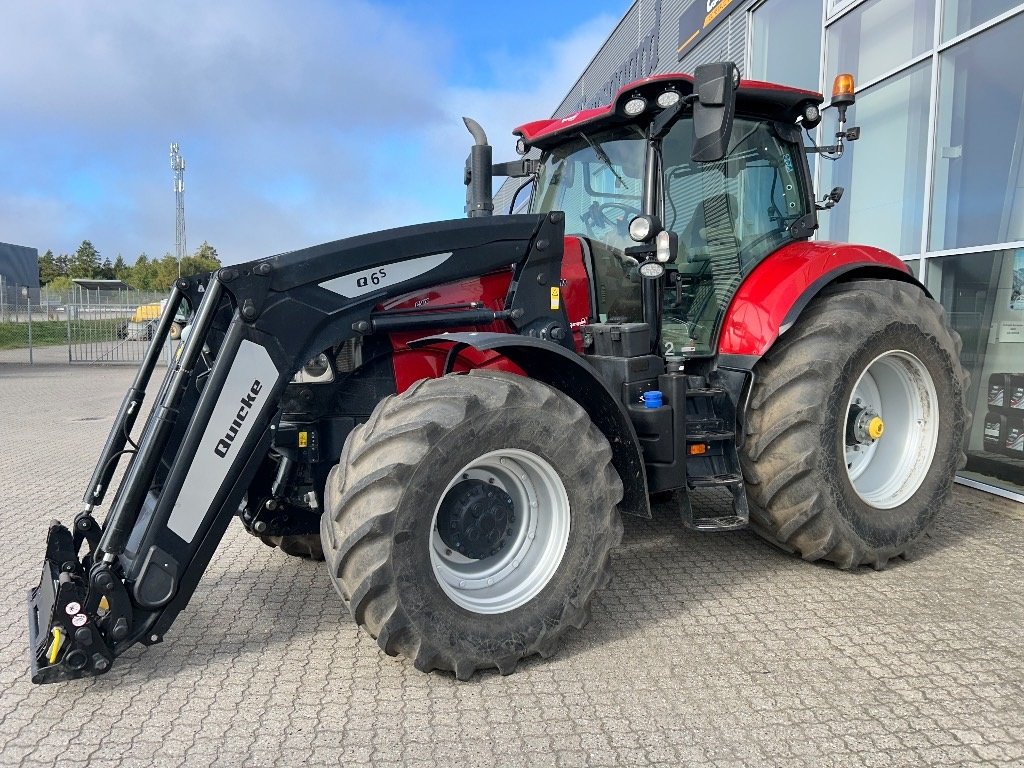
(456, 414)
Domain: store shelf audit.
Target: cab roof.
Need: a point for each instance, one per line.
(753, 97)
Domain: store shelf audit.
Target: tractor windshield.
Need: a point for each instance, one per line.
(597, 180)
(729, 215)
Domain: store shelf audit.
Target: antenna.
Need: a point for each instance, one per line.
(178, 166)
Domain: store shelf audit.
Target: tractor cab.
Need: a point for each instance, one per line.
(634, 161)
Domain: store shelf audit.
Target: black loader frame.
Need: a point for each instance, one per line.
(105, 588)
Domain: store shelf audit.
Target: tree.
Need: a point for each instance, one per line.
(62, 264)
(60, 283)
(121, 269)
(106, 270)
(47, 268)
(166, 272)
(85, 263)
(205, 259)
(143, 274)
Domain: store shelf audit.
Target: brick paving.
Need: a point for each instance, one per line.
(704, 650)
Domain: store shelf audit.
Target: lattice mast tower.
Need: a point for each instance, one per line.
(178, 166)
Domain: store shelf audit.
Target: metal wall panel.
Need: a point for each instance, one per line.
(644, 43)
(19, 266)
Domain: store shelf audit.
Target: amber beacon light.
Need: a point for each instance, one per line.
(843, 94)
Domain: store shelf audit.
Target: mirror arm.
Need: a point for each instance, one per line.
(516, 168)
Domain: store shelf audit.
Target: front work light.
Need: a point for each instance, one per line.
(642, 228)
(668, 98)
(635, 106)
(652, 270)
(664, 247)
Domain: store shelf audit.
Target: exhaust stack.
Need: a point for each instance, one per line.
(479, 199)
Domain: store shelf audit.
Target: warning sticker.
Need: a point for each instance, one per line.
(303, 439)
(556, 297)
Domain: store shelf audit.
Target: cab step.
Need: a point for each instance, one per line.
(715, 498)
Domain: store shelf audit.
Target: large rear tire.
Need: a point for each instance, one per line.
(855, 425)
(470, 520)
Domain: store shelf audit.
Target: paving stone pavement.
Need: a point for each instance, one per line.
(704, 650)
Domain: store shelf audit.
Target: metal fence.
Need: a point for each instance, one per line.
(76, 326)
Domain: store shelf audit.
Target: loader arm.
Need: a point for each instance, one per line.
(212, 421)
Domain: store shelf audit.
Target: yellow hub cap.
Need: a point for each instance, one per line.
(875, 428)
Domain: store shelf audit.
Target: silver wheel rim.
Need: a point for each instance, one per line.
(888, 471)
(533, 550)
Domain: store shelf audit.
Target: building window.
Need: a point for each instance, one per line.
(882, 172)
(773, 55)
(879, 37)
(982, 295)
(978, 195)
(959, 16)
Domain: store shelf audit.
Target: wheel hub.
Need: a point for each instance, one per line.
(864, 426)
(476, 519)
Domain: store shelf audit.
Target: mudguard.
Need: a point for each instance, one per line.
(571, 374)
(774, 294)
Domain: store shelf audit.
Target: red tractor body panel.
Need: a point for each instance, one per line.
(771, 296)
(487, 291)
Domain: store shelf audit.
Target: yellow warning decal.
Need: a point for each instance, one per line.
(556, 297)
(303, 439)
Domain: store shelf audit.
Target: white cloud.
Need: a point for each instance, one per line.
(300, 122)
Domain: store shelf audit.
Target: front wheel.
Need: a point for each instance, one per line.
(855, 425)
(470, 520)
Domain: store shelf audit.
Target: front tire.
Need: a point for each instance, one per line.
(855, 425)
(470, 520)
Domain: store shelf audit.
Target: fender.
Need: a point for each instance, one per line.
(774, 294)
(556, 366)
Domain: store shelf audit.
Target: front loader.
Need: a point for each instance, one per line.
(454, 415)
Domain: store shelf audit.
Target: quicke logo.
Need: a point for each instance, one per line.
(247, 402)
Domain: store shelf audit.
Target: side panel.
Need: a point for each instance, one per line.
(774, 294)
(574, 291)
(241, 403)
(576, 288)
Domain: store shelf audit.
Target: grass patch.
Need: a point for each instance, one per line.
(54, 333)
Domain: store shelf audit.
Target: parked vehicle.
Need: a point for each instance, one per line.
(142, 324)
(455, 414)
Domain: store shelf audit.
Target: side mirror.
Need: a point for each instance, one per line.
(715, 86)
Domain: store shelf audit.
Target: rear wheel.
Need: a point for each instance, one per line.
(470, 520)
(855, 425)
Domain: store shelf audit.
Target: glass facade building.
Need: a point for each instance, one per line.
(937, 176)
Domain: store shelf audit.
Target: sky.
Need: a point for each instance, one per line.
(300, 122)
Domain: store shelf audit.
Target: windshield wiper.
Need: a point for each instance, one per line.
(603, 157)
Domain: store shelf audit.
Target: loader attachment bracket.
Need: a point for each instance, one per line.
(65, 638)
